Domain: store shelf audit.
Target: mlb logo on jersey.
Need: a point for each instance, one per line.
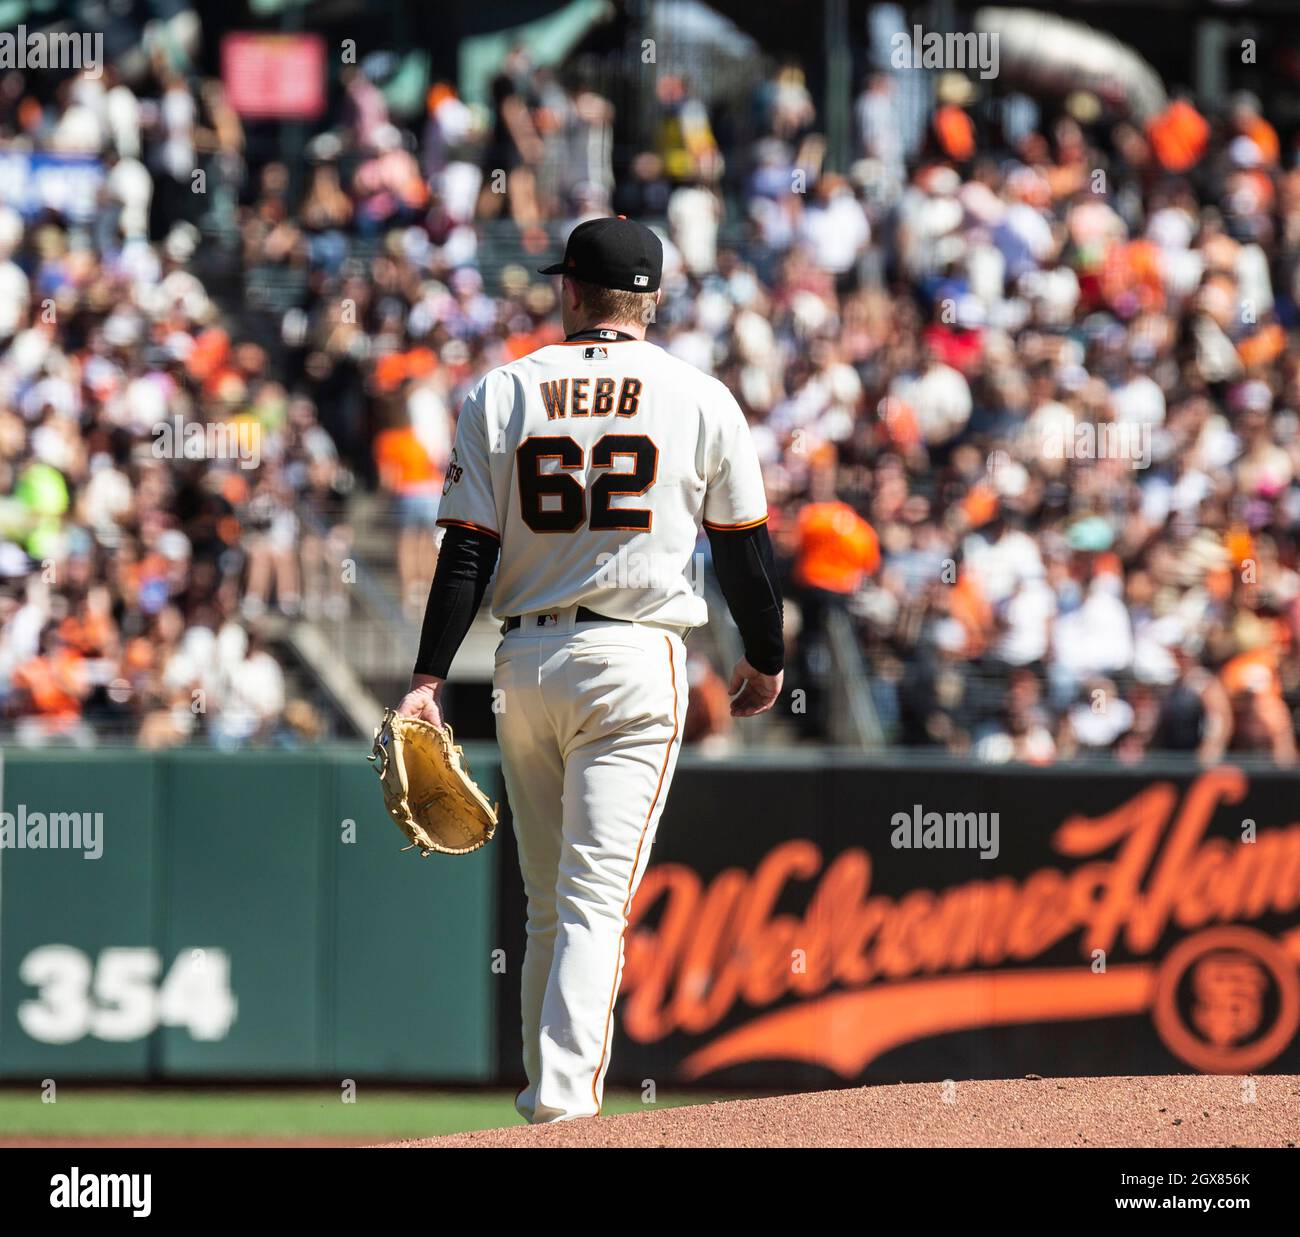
(595, 353)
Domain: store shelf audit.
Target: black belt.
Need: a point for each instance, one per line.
(582, 616)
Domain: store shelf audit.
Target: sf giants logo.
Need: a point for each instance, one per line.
(454, 473)
(883, 972)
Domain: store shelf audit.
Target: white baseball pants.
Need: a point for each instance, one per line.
(589, 719)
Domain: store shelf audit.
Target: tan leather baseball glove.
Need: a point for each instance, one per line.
(428, 789)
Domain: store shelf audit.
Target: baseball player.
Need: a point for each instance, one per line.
(589, 467)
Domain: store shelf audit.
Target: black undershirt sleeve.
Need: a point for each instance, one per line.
(746, 573)
(465, 565)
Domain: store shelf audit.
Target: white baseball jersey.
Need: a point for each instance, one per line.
(595, 462)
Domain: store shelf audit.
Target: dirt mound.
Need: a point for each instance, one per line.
(1175, 1111)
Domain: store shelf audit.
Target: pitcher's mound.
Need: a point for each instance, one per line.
(1174, 1111)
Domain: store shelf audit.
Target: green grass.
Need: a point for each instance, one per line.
(274, 1114)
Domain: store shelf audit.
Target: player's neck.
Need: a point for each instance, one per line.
(634, 330)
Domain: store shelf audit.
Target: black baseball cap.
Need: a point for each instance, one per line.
(612, 253)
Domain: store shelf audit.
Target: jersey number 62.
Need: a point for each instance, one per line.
(556, 502)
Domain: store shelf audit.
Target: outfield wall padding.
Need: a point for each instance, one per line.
(251, 917)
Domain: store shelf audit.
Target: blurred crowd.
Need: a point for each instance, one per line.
(1023, 386)
(1037, 440)
(1023, 380)
(154, 467)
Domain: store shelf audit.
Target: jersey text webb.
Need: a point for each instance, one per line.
(590, 397)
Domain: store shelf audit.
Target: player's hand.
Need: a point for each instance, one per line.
(424, 700)
(752, 692)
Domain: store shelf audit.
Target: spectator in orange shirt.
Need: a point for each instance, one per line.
(954, 131)
(90, 630)
(1247, 121)
(50, 689)
(1178, 136)
(836, 550)
(1261, 721)
(411, 475)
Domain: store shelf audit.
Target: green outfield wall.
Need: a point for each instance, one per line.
(247, 915)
